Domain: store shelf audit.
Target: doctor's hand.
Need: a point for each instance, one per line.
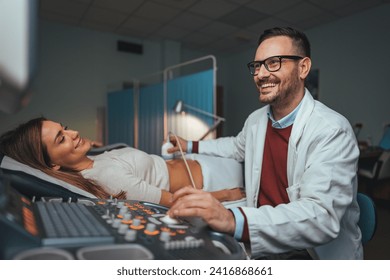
(174, 141)
(190, 202)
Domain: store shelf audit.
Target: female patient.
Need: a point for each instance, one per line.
(124, 173)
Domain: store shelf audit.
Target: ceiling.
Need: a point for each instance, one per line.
(208, 25)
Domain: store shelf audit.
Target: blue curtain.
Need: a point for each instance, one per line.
(120, 117)
(385, 141)
(150, 119)
(195, 90)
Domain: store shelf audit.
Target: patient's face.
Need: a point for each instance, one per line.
(65, 147)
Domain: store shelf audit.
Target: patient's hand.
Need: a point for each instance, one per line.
(96, 144)
(235, 194)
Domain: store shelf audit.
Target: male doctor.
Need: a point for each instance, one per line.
(300, 165)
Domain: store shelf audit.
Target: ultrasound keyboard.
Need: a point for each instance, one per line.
(107, 229)
(70, 223)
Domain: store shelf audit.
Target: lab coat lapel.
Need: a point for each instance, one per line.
(299, 124)
(258, 131)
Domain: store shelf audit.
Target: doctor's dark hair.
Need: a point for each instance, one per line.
(300, 40)
(24, 144)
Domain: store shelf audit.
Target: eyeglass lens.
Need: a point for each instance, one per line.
(272, 64)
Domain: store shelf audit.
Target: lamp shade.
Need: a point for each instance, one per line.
(178, 107)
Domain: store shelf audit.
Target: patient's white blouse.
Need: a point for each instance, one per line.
(142, 176)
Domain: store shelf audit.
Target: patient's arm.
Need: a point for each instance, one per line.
(229, 194)
(166, 198)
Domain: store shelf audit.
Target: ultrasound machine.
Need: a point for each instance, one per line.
(41, 220)
(56, 228)
(45, 218)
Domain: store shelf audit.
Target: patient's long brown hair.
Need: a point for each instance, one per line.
(25, 145)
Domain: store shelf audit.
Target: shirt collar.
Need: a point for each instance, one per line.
(285, 121)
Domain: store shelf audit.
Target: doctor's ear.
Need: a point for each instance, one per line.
(304, 66)
(55, 167)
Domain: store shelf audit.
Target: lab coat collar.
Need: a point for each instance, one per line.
(307, 107)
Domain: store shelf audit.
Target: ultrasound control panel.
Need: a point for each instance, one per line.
(105, 229)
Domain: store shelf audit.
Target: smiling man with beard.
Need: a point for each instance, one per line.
(300, 165)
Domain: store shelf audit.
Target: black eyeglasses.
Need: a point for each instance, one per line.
(272, 64)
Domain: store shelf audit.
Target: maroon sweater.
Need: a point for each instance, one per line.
(273, 180)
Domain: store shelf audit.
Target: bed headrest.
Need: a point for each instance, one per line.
(33, 182)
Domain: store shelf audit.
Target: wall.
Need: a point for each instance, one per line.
(76, 69)
(232, 75)
(352, 57)
(241, 96)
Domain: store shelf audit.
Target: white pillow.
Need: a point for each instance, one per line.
(11, 164)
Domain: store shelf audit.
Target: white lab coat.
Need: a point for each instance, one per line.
(323, 213)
